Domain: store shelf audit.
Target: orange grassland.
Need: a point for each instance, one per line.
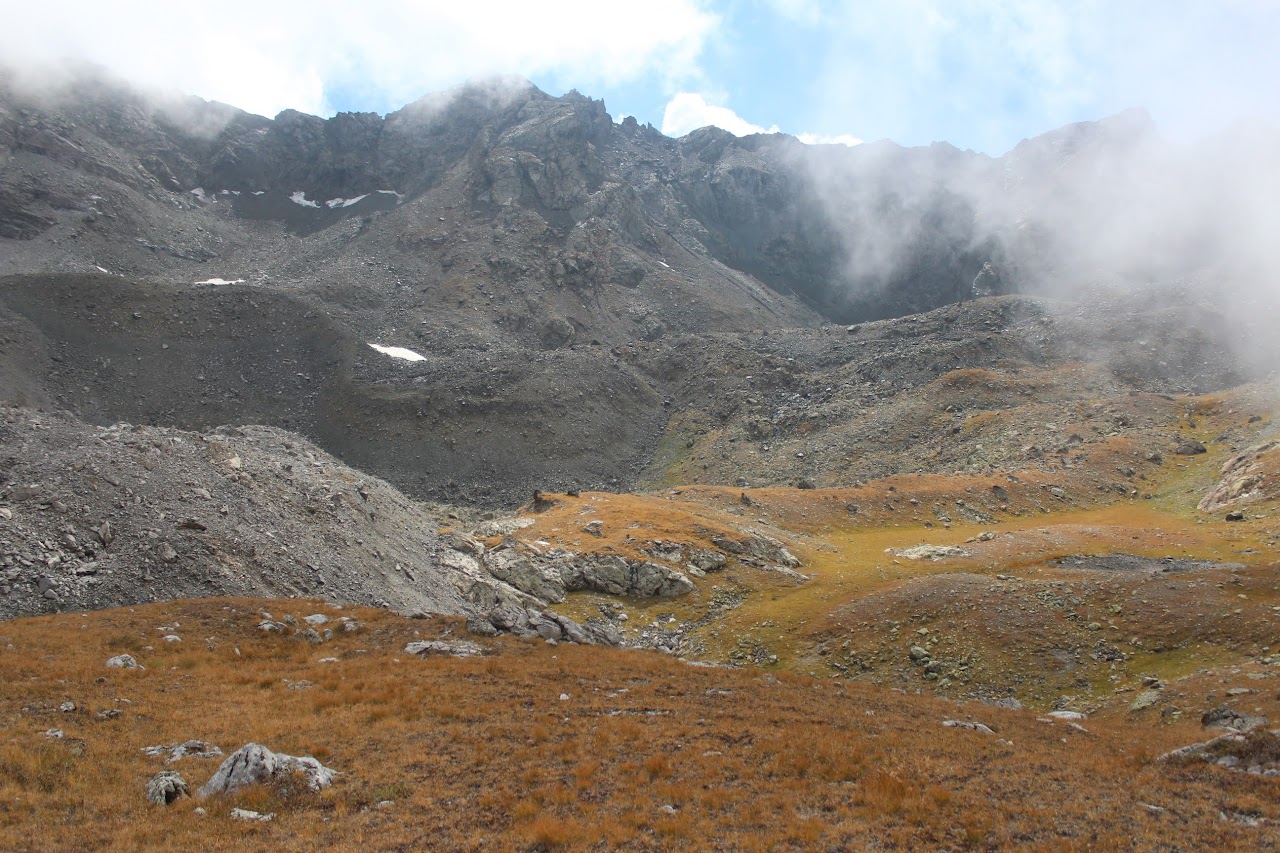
(646, 752)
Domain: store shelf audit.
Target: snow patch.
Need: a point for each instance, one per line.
(103, 269)
(220, 281)
(345, 202)
(399, 352)
(665, 264)
(259, 192)
(301, 198)
(199, 193)
(399, 196)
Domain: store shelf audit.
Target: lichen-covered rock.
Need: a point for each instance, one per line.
(457, 649)
(757, 545)
(1242, 477)
(535, 578)
(165, 787)
(190, 748)
(124, 662)
(929, 552)
(254, 764)
(1224, 717)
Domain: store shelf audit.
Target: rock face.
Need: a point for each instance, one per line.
(550, 194)
(1244, 477)
(254, 764)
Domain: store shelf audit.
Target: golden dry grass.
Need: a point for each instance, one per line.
(483, 753)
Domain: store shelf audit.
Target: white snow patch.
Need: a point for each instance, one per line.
(301, 198)
(103, 269)
(199, 193)
(345, 202)
(399, 196)
(665, 264)
(399, 352)
(259, 192)
(220, 281)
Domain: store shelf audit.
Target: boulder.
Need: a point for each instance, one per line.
(1223, 717)
(165, 787)
(755, 545)
(602, 573)
(707, 560)
(650, 579)
(524, 574)
(929, 552)
(254, 764)
(481, 626)
(457, 649)
(124, 662)
(1066, 715)
(963, 724)
(1144, 700)
(191, 748)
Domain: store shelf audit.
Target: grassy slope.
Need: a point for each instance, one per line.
(483, 753)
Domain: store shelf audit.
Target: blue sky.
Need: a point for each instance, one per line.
(982, 74)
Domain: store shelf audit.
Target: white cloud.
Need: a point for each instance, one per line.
(986, 73)
(688, 111)
(828, 139)
(807, 12)
(265, 57)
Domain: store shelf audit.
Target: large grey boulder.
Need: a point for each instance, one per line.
(124, 662)
(651, 579)
(524, 574)
(254, 764)
(607, 573)
(614, 575)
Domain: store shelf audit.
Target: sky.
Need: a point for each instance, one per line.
(981, 75)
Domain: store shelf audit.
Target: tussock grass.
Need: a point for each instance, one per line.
(477, 754)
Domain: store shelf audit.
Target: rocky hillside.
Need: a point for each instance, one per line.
(520, 215)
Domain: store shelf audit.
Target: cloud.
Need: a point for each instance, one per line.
(828, 139)
(987, 73)
(807, 12)
(265, 57)
(688, 111)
